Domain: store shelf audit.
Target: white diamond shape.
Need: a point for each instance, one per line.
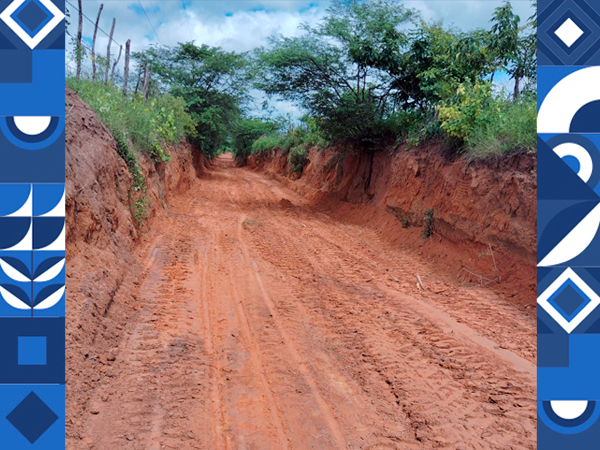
(32, 42)
(569, 274)
(569, 32)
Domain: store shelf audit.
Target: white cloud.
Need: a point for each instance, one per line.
(246, 24)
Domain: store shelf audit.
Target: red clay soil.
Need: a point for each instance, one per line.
(484, 213)
(256, 316)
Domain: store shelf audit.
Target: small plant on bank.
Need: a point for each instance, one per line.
(138, 181)
(428, 219)
(297, 159)
(140, 210)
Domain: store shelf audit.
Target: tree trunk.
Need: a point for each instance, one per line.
(112, 31)
(78, 51)
(516, 91)
(112, 75)
(94, 43)
(146, 80)
(126, 71)
(139, 78)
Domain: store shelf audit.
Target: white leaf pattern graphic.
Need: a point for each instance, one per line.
(51, 273)
(13, 273)
(14, 301)
(52, 300)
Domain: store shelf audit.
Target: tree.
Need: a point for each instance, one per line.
(514, 52)
(213, 83)
(339, 70)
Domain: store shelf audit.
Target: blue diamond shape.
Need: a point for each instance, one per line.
(552, 32)
(32, 16)
(569, 300)
(32, 417)
(553, 52)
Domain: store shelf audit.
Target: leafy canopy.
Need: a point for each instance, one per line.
(213, 83)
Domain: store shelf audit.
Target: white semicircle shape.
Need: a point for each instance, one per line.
(580, 154)
(569, 409)
(27, 209)
(575, 242)
(567, 97)
(32, 125)
(12, 300)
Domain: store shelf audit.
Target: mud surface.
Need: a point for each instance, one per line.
(261, 321)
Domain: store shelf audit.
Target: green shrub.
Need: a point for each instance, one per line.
(470, 108)
(140, 210)
(247, 132)
(512, 129)
(487, 125)
(428, 219)
(138, 181)
(297, 158)
(149, 126)
(265, 144)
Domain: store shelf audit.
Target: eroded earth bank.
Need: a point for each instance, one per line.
(253, 310)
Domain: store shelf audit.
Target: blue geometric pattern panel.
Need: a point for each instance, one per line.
(568, 238)
(32, 417)
(32, 224)
(568, 33)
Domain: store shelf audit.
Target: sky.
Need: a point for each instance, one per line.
(241, 25)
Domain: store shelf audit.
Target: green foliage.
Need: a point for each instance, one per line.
(140, 210)
(306, 135)
(149, 126)
(297, 158)
(335, 71)
(213, 84)
(469, 108)
(247, 132)
(138, 181)
(428, 219)
(512, 129)
(371, 70)
(488, 125)
(267, 143)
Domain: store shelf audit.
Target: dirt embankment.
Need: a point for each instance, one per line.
(479, 209)
(101, 242)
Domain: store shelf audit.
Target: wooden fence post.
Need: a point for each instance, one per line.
(94, 43)
(78, 49)
(112, 31)
(126, 72)
(116, 63)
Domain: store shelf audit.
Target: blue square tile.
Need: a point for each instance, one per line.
(11, 330)
(32, 351)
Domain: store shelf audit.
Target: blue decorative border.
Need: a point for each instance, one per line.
(568, 224)
(32, 224)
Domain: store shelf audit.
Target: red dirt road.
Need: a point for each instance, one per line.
(266, 324)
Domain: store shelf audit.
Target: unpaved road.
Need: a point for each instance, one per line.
(265, 324)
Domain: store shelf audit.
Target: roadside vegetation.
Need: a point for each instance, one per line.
(370, 73)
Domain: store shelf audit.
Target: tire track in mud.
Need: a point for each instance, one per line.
(326, 260)
(325, 409)
(218, 420)
(264, 324)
